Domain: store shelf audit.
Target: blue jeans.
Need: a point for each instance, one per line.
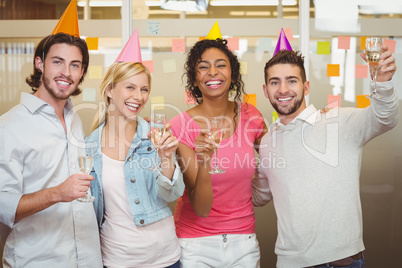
(360, 263)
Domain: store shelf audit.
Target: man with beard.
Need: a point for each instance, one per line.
(40, 180)
(316, 192)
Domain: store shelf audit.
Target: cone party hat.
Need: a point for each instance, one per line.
(68, 22)
(283, 43)
(132, 50)
(215, 32)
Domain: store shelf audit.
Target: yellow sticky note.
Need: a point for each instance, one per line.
(95, 72)
(391, 44)
(343, 42)
(274, 116)
(333, 101)
(333, 70)
(363, 43)
(169, 66)
(323, 48)
(178, 45)
(251, 99)
(243, 67)
(157, 103)
(361, 71)
(362, 101)
(92, 43)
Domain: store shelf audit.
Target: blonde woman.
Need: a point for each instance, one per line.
(135, 221)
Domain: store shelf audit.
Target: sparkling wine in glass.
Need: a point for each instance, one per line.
(158, 122)
(373, 51)
(215, 129)
(85, 164)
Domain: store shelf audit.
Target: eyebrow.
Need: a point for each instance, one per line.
(286, 78)
(62, 59)
(201, 61)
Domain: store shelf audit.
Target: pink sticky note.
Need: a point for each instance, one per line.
(289, 34)
(391, 44)
(361, 71)
(149, 64)
(333, 101)
(233, 43)
(178, 45)
(343, 42)
(188, 98)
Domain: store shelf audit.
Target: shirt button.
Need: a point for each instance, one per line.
(137, 201)
(130, 159)
(142, 221)
(132, 180)
(149, 149)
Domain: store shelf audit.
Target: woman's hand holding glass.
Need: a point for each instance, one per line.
(164, 142)
(167, 144)
(204, 147)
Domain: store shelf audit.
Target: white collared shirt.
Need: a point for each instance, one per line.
(36, 153)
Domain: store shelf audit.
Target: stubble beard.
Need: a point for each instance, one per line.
(289, 109)
(59, 95)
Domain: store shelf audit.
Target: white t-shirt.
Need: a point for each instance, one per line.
(123, 243)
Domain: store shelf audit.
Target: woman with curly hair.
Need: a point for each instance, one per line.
(214, 218)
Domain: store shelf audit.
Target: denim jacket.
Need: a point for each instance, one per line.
(148, 192)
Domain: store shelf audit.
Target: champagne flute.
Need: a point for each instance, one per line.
(85, 163)
(157, 130)
(373, 51)
(215, 129)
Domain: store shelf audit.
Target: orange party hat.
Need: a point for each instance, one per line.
(132, 50)
(215, 32)
(68, 22)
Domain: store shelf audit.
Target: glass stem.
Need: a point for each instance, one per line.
(216, 160)
(156, 152)
(375, 79)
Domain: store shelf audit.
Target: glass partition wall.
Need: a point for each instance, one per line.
(253, 36)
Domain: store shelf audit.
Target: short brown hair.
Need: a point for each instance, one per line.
(287, 57)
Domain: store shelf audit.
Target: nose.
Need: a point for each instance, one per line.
(283, 88)
(213, 70)
(66, 71)
(137, 95)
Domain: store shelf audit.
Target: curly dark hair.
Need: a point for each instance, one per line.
(287, 57)
(43, 48)
(194, 57)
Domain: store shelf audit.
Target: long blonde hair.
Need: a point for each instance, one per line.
(117, 72)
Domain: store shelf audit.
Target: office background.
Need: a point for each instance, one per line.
(255, 30)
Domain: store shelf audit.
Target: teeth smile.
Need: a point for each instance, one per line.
(213, 83)
(285, 99)
(63, 83)
(133, 105)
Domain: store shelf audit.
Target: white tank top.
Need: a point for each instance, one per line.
(123, 243)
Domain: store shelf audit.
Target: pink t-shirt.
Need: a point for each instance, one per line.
(232, 210)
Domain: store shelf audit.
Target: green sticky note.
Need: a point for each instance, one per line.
(274, 116)
(323, 48)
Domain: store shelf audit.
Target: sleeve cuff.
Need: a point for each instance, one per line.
(166, 182)
(9, 203)
(385, 89)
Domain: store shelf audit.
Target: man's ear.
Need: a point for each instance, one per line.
(306, 88)
(264, 88)
(39, 63)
